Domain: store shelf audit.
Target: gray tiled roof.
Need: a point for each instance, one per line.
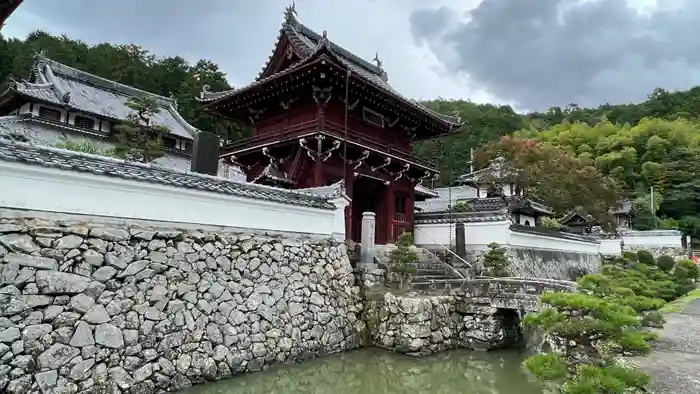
(624, 206)
(426, 191)
(308, 42)
(497, 169)
(98, 96)
(330, 191)
(97, 165)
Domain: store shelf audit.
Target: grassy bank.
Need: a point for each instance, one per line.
(677, 305)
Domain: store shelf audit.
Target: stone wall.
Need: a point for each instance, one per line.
(545, 264)
(676, 253)
(419, 326)
(552, 264)
(87, 308)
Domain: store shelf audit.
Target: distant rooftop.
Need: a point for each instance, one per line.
(58, 84)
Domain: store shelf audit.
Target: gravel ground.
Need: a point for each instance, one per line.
(675, 362)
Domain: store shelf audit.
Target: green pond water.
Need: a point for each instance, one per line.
(370, 371)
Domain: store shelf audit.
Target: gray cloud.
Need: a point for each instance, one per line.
(239, 34)
(553, 52)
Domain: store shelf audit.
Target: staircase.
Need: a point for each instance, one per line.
(432, 273)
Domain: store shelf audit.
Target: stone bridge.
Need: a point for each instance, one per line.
(517, 293)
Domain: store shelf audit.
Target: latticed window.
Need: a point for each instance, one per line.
(169, 142)
(50, 114)
(84, 123)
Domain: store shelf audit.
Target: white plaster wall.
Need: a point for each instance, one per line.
(46, 189)
(477, 235)
(655, 239)
(610, 247)
(526, 218)
(433, 234)
(543, 242)
(339, 217)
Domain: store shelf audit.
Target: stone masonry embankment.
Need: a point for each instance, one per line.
(86, 308)
(421, 325)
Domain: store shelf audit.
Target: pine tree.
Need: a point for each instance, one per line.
(402, 257)
(496, 261)
(139, 139)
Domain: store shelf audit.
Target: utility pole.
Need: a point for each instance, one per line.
(653, 209)
(471, 160)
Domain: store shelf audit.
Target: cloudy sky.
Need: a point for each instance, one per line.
(528, 53)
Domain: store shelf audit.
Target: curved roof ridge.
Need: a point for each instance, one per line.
(176, 114)
(104, 83)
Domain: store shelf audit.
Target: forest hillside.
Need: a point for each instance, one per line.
(652, 143)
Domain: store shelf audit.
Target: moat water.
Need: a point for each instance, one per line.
(370, 371)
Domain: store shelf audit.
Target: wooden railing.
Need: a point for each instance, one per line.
(400, 217)
(375, 143)
(398, 229)
(274, 135)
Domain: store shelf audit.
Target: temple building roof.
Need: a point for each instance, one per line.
(65, 160)
(307, 44)
(61, 85)
(7, 7)
(442, 205)
(624, 207)
(498, 169)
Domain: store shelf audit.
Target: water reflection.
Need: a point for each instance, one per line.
(370, 371)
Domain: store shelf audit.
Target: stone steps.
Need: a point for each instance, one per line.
(437, 285)
(426, 278)
(430, 272)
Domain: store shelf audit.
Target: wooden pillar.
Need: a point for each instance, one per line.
(349, 182)
(318, 162)
(410, 207)
(389, 213)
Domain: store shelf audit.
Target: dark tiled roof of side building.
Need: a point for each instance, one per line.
(72, 161)
(61, 85)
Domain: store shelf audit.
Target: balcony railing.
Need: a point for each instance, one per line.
(273, 136)
(400, 217)
(376, 144)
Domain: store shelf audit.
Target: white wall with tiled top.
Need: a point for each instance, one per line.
(38, 188)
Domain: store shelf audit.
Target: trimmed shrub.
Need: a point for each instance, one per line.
(645, 257)
(666, 263)
(691, 269)
(631, 256)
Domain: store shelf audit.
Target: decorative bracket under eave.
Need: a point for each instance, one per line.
(387, 161)
(426, 175)
(359, 161)
(401, 173)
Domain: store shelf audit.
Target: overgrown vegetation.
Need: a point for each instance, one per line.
(401, 259)
(496, 261)
(652, 143)
(552, 223)
(85, 146)
(590, 330)
(462, 206)
(138, 139)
